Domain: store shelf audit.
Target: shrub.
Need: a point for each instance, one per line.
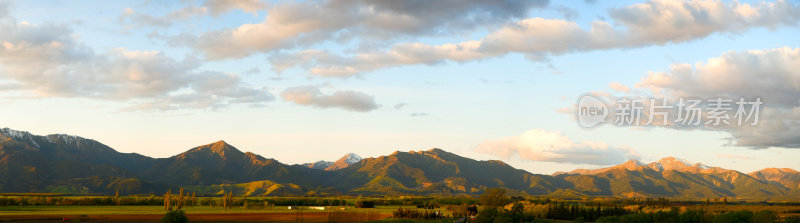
(764, 216)
(174, 217)
(365, 204)
(733, 217)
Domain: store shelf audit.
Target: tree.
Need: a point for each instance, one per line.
(227, 200)
(192, 200)
(494, 197)
(167, 201)
(365, 204)
(179, 204)
(176, 216)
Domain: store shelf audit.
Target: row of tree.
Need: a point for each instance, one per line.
(178, 202)
(697, 216)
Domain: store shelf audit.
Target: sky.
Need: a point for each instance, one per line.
(313, 80)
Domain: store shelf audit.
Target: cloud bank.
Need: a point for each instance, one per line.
(771, 74)
(654, 22)
(292, 24)
(47, 60)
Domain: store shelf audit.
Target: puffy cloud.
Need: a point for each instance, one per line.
(215, 8)
(312, 96)
(775, 128)
(542, 145)
(651, 23)
(304, 23)
(533, 37)
(47, 60)
(323, 63)
(773, 75)
(662, 21)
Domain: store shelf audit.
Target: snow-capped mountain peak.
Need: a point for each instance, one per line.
(351, 158)
(670, 163)
(341, 163)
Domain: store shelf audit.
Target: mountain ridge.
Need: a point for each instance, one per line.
(72, 164)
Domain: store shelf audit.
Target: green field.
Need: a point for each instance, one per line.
(108, 210)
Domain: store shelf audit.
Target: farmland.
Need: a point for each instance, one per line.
(56, 208)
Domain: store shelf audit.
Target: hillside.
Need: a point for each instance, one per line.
(673, 177)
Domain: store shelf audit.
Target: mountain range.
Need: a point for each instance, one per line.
(75, 165)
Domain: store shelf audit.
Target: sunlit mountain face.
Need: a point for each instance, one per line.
(71, 164)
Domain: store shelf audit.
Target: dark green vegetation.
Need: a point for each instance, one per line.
(175, 217)
(75, 165)
(627, 210)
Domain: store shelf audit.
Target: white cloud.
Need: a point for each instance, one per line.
(292, 24)
(542, 145)
(348, 100)
(773, 75)
(662, 21)
(47, 60)
(133, 19)
(652, 23)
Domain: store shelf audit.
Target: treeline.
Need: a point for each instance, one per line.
(424, 201)
(697, 216)
(581, 214)
(519, 212)
(528, 212)
(79, 201)
(401, 213)
(160, 200)
(574, 211)
(650, 202)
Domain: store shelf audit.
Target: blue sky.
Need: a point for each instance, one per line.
(314, 80)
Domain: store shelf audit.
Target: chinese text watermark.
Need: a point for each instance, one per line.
(685, 112)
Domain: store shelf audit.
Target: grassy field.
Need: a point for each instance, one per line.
(195, 214)
(108, 210)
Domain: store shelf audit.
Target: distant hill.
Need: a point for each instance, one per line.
(673, 177)
(76, 165)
